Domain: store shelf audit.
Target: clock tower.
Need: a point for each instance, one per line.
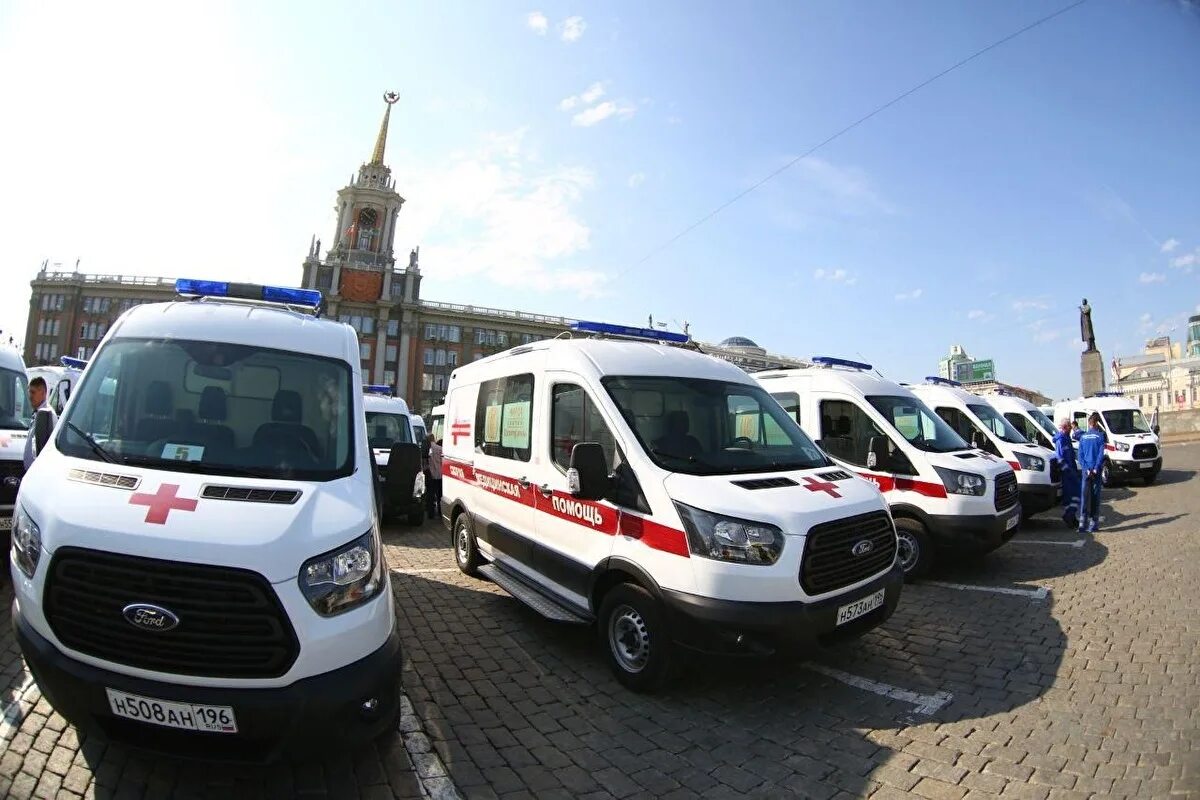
(358, 272)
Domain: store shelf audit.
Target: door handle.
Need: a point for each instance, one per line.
(523, 482)
(546, 490)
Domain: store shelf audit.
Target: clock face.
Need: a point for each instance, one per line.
(367, 218)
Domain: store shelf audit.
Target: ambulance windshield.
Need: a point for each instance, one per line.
(919, 426)
(214, 408)
(707, 427)
(15, 412)
(1043, 421)
(1001, 428)
(1126, 420)
(384, 430)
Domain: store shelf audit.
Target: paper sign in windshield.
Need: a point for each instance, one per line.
(182, 452)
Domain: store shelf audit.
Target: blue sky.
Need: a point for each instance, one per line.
(546, 148)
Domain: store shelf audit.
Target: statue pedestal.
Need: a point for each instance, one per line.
(1091, 372)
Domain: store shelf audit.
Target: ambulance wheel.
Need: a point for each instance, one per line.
(466, 554)
(1106, 478)
(633, 633)
(914, 552)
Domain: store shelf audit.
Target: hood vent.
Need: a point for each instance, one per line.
(104, 479)
(247, 495)
(765, 483)
(965, 455)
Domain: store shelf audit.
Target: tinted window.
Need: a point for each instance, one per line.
(15, 413)
(1027, 428)
(846, 434)
(997, 424)
(791, 404)
(574, 418)
(384, 430)
(1126, 420)
(964, 427)
(706, 427)
(214, 408)
(914, 421)
(503, 415)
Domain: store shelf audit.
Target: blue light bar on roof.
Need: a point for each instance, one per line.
(249, 291)
(941, 381)
(375, 388)
(72, 363)
(1109, 394)
(830, 361)
(631, 332)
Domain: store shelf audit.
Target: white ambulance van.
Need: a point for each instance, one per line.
(946, 497)
(1023, 415)
(662, 494)
(1132, 448)
(196, 558)
(16, 415)
(401, 481)
(1039, 475)
(437, 421)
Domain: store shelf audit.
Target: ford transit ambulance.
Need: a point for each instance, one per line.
(1039, 475)
(662, 494)
(1023, 415)
(437, 422)
(16, 415)
(1131, 447)
(947, 498)
(401, 483)
(196, 557)
(59, 380)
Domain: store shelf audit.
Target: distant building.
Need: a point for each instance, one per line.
(1165, 377)
(1030, 395)
(1193, 336)
(749, 356)
(948, 366)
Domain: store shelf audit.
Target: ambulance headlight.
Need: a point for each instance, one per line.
(26, 543)
(419, 485)
(1032, 463)
(729, 539)
(1122, 446)
(344, 578)
(967, 483)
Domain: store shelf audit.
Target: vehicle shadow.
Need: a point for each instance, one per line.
(1019, 563)
(1173, 475)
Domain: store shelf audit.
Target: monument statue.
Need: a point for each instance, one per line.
(1086, 331)
(413, 256)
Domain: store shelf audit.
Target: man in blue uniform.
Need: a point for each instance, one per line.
(1064, 448)
(1091, 460)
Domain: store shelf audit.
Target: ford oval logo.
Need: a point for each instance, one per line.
(863, 547)
(150, 617)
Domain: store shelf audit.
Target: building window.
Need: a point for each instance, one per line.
(430, 332)
(389, 377)
(368, 325)
(56, 327)
(452, 358)
(393, 327)
(390, 353)
(426, 382)
(455, 334)
(364, 351)
(325, 279)
(441, 358)
(397, 285)
(428, 356)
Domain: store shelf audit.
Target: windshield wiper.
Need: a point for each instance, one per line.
(97, 448)
(677, 456)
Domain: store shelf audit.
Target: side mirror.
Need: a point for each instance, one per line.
(977, 440)
(588, 477)
(1155, 429)
(877, 453)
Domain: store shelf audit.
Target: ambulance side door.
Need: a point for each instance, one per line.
(578, 534)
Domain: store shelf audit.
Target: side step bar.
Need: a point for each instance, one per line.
(519, 588)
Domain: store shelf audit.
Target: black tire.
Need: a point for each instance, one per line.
(1106, 477)
(915, 549)
(416, 517)
(634, 636)
(466, 553)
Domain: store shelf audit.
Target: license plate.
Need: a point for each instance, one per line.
(1149, 465)
(5, 523)
(860, 607)
(187, 716)
(1013, 521)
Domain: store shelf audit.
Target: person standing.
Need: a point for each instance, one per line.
(1091, 463)
(44, 420)
(1064, 448)
(433, 488)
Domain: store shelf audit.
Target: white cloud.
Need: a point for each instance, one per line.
(601, 112)
(571, 29)
(1151, 277)
(838, 275)
(980, 314)
(1187, 261)
(637, 179)
(586, 97)
(913, 295)
(537, 23)
(1169, 245)
(1029, 304)
(849, 186)
(674, 120)
(496, 215)
(1045, 336)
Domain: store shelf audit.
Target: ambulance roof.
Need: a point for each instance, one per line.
(10, 358)
(946, 394)
(1098, 403)
(260, 324)
(382, 404)
(620, 357)
(1006, 402)
(867, 384)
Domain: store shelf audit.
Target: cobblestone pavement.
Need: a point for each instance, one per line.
(1079, 678)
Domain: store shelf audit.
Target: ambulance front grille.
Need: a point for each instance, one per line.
(231, 624)
(10, 480)
(1145, 451)
(1006, 491)
(835, 554)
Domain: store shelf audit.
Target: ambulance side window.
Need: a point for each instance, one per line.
(791, 404)
(574, 418)
(503, 414)
(846, 431)
(965, 428)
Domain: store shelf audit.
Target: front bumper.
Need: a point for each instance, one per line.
(737, 627)
(974, 533)
(1039, 497)
(309, 716)
(1129, 469)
